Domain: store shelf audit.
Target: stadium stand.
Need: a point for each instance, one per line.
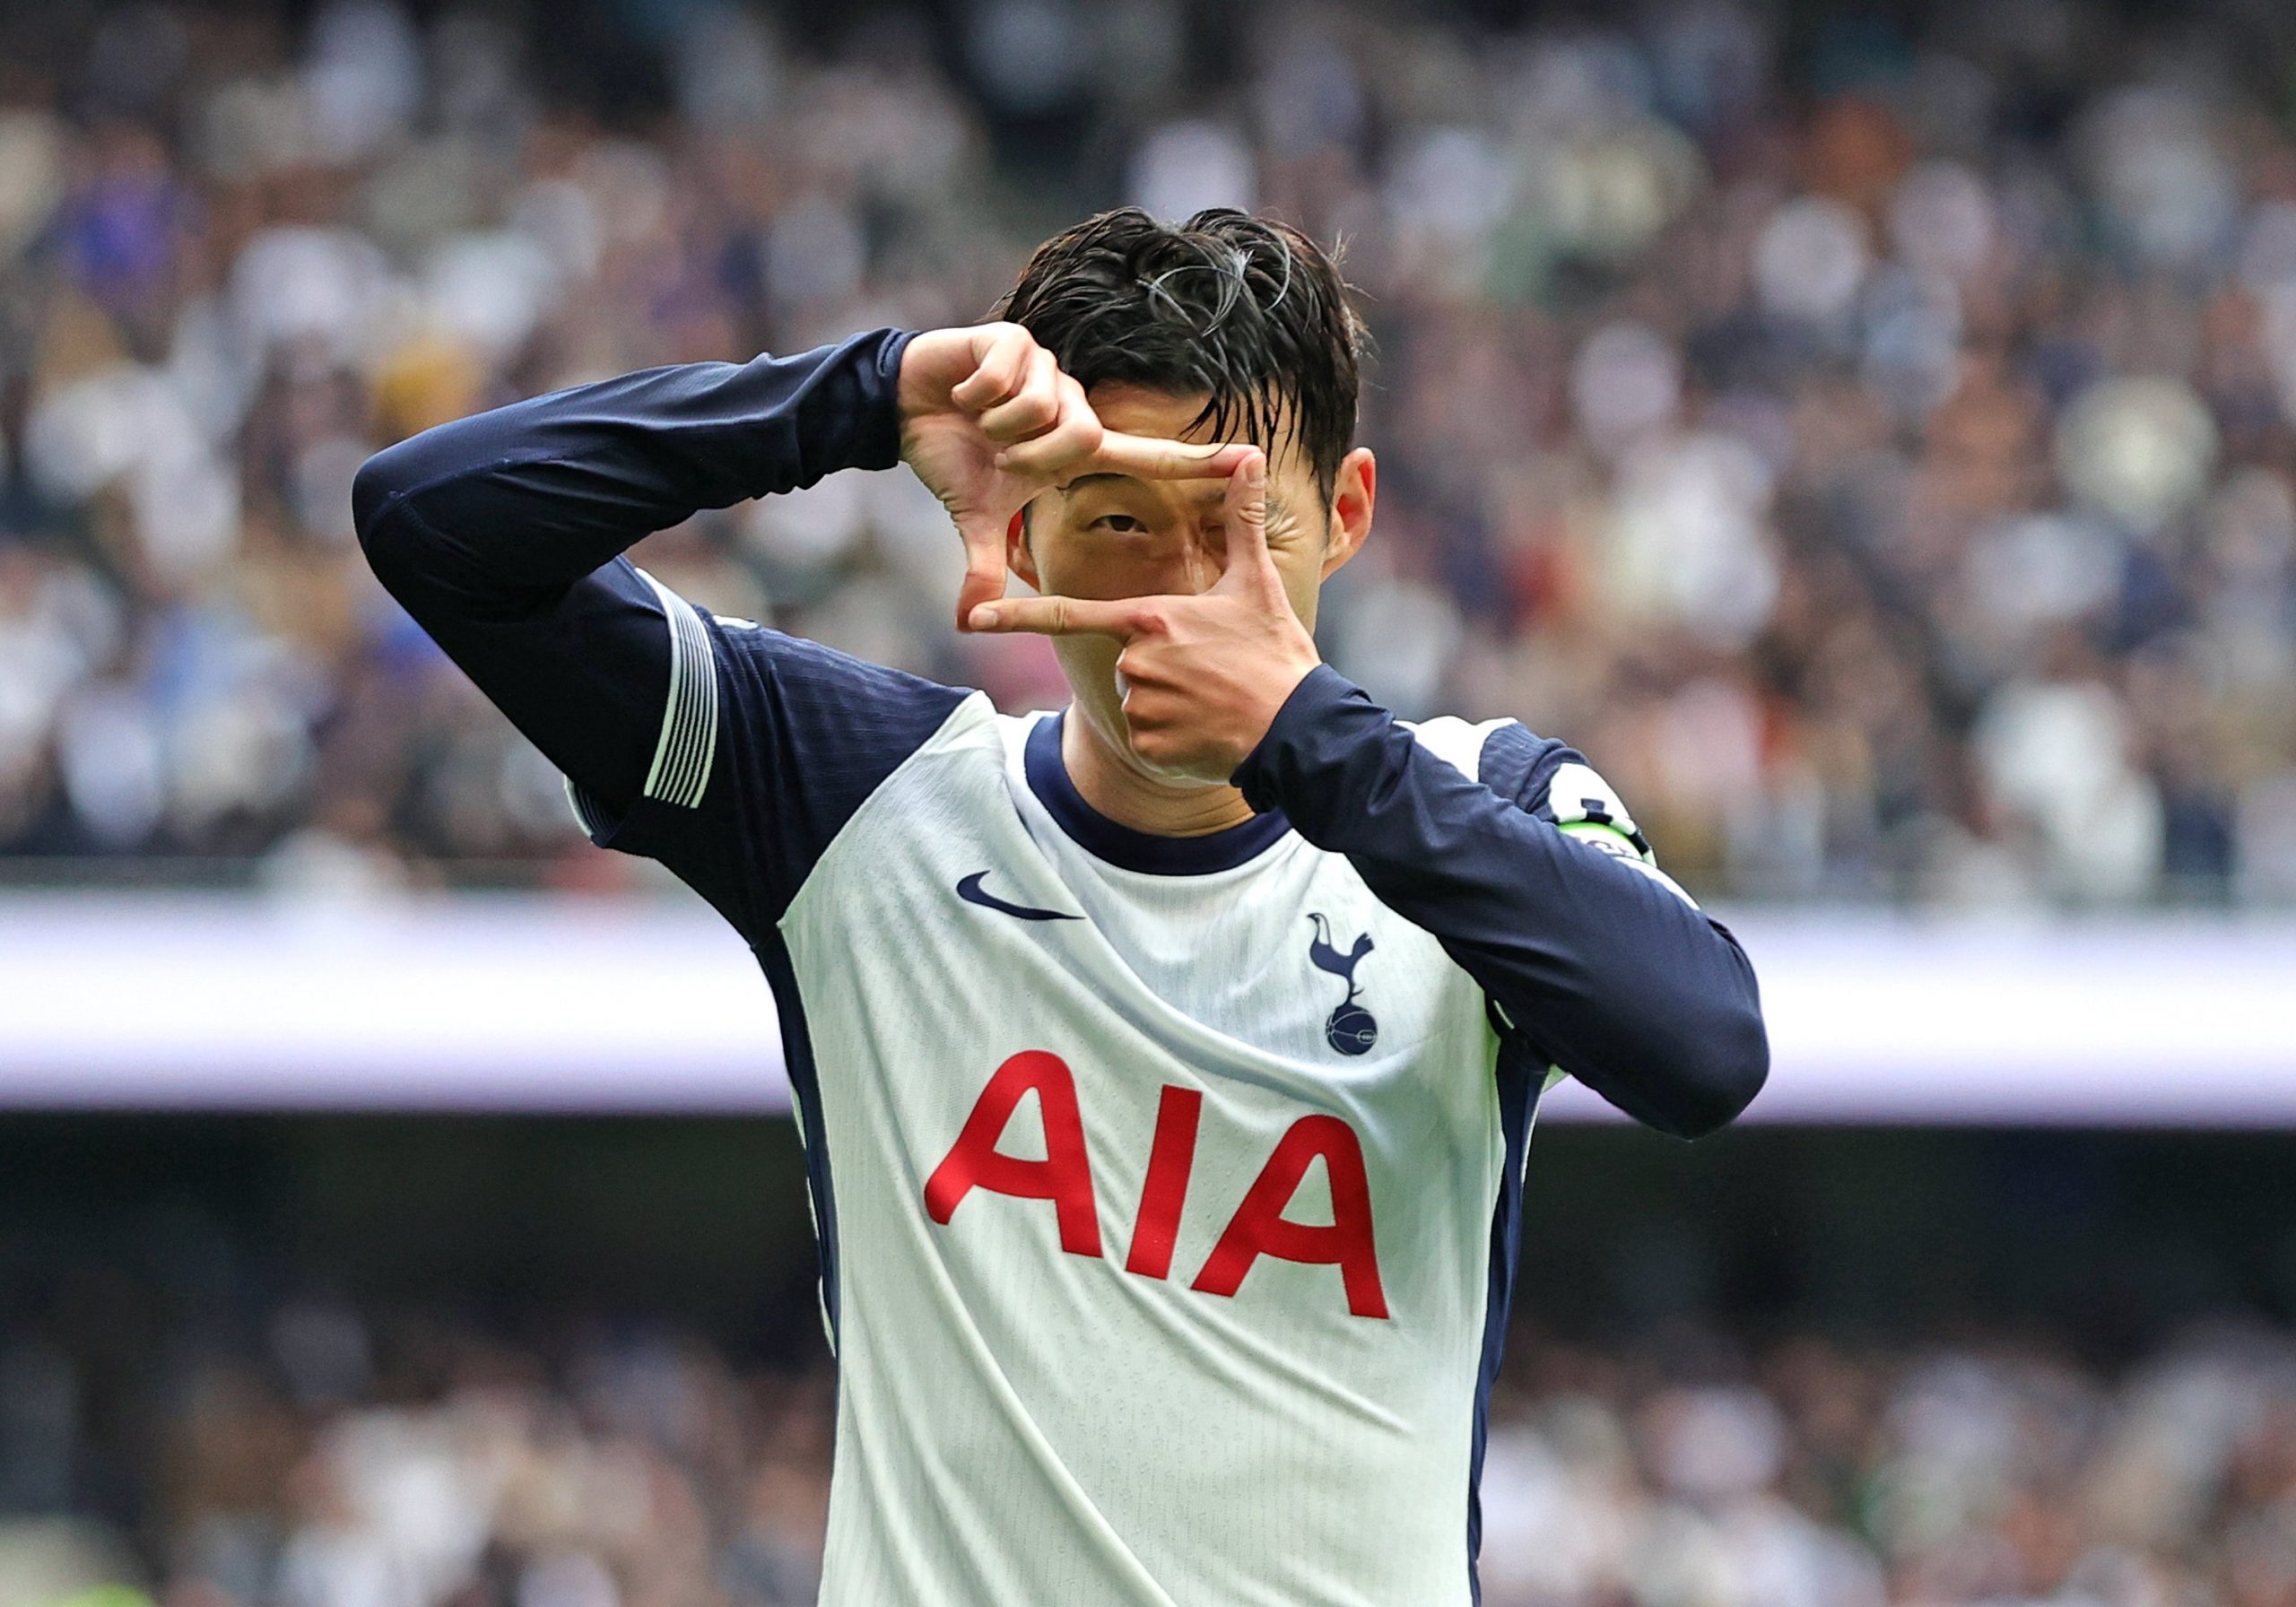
(1871, 443)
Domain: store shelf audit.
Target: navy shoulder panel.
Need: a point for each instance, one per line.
(769, 744)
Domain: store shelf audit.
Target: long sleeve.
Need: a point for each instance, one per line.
(1592, 956)
(729, 751)
(543, 491)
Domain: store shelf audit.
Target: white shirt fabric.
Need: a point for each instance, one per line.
(1024, 1425)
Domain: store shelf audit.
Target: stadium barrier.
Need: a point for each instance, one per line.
(210, 1001)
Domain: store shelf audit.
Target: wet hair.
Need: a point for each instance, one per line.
(1247, 311)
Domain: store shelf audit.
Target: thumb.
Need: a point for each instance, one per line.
(983, 580)
(1250, 571)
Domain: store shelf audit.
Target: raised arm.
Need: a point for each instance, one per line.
(1590, 953)
(502, 534)
(1597, 962)
(731, 753)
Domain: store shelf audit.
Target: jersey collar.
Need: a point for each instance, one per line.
(1125, 847)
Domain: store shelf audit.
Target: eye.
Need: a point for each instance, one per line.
(1119, 524)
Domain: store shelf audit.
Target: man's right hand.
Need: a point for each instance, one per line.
(988, 420)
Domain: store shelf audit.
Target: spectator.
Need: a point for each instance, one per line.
(1883, 467)
(370, 1456)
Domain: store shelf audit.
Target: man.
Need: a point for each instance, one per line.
(1165, 1066)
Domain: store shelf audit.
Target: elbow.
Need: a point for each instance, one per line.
(1725, 1054)
(373, 490)
(1685, 1063)
(378, 494)
(1723, 1071)
(1671, 1032)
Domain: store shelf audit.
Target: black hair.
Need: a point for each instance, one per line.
(1247, 310)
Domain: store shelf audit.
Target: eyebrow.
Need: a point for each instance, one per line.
(1082, 481)
(1109, 476)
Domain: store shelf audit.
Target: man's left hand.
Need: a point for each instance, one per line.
(1205, 675)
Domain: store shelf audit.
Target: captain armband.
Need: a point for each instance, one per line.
(1587, 808)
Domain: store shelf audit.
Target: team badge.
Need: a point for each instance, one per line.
(1350, 1028)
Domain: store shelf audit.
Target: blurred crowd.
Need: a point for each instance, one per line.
(1966, 1476)
(1871, 445)
(330, 1458)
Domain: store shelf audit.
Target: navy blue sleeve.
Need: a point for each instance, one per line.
(1598, 963)
(730, 752)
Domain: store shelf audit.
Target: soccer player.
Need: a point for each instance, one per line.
(1165, 1066)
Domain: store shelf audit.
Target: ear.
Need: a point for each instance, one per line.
(1017, 556)
(1353, 490)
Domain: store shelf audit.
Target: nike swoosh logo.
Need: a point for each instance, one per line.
(969, 891)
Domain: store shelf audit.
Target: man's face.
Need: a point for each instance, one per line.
(1111, 536)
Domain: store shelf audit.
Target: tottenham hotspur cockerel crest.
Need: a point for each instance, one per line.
(1350, 1027)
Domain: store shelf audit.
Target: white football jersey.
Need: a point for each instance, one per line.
(1167, 1189)
(1161, 1202)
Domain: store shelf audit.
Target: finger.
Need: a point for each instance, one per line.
(1000, 368)
(1075, 435)
(1032, 409)
(983, 580)
(1061, 616)
(1143, 671)
(1243, 522)
(1157, 458)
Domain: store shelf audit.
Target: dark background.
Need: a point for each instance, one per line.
(2114, 1237)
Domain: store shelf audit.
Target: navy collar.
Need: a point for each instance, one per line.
(1125, 847)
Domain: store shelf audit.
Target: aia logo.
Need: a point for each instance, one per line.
(1258, 1228)
(1350, 1027)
